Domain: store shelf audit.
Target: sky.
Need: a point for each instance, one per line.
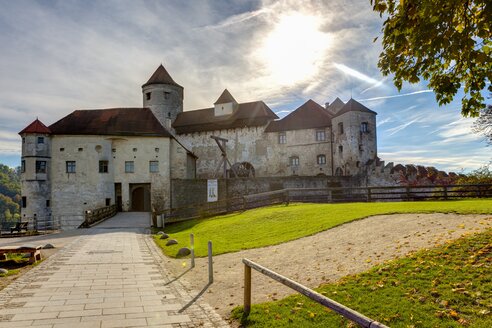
(60, 56)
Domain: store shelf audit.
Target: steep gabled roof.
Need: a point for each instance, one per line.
(310, 115)
(225, 98)
(161, 76)
(36, 127)
(336, 105)
(354, 106)
(254, 113)
(112, 121)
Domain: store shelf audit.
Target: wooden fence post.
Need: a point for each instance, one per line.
(192, 247)
(445, 192)
(210, 264)
(247, 289)
(369, 198)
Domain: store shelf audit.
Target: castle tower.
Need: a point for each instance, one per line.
(163, 96)
(355, 144)
(35, 175)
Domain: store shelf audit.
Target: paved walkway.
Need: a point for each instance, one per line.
(111, 277)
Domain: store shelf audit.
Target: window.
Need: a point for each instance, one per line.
(70, 166)
(113, 150)
(40, 166)
(166, 95)
(108, 201)
(364, 127)
(23, 166)
(81, 149)
(360, 147)
(40, 140)
(103, 166)
(147, 96)
(135, 149)
(340, 149)
(320, 135)
(282, 138)
(23, 140)
(48, 203)
(294, 161)
(129, 167)
(321, 159)
(154, 166)
(169, 115)
(156, 150)
(62, 149)
(24, 202)
(340, 128)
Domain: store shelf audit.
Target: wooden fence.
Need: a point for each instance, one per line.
(327, 195)
(348, 313)
(99, 214)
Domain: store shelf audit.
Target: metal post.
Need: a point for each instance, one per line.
(247, 289)
(192, 247)
(210, 264)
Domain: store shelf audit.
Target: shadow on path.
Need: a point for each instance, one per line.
(194, 299)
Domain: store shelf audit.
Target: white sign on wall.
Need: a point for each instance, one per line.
(212, 190)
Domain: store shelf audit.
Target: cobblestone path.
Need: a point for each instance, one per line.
(108, 278)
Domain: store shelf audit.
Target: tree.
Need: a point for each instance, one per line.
(447, 43)
(483, 124)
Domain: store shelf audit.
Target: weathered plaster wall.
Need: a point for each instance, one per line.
(262, 150)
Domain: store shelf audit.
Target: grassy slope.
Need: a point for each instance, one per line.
(278, 224)
(449, 286)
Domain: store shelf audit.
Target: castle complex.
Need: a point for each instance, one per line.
(129, 156)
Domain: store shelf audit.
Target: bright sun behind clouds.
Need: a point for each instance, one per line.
(294, 49)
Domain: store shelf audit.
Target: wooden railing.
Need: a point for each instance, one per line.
(348, 313)
(99, 214)
(327, 195)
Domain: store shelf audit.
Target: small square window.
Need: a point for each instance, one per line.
(340, 128)
(340, 149)
(135, 149)
(108, 201)
(320, 135)
(129, 167)
(156, 150)
(282, 138)
(154, 166)
(40, 140)
(294, 161)
(48, 203)
(24, 202)
(103, 166)
(70, 166)
(321, 159)
(147, 95)
(167, 95)
(62, 149)
(81, 149)
(113, 150)
(40, 166)
(23, 166)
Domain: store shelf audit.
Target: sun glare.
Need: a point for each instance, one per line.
(295, 48)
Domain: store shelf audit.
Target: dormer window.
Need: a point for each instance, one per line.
(40, 140)
(147, 95)
(167, 95)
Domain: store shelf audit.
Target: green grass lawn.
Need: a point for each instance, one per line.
(278, 224)
(448, 286)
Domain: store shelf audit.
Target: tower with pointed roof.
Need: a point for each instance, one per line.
(35, 174)
(163, 96)
(225, 104)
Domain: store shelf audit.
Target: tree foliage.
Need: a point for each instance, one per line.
(482, 175)
(483, 124)
(447, 43)
(9, 192)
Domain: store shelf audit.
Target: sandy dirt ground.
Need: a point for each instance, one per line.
(325, 257)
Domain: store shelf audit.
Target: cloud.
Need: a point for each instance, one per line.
(397, 96)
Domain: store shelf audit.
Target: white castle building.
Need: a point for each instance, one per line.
(129, 156)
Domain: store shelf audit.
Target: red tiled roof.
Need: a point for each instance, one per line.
(247, 114)
(225, 98)
(161, 76)
(112, 121)
(354, 106)
(310, 115)
(36, 127)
